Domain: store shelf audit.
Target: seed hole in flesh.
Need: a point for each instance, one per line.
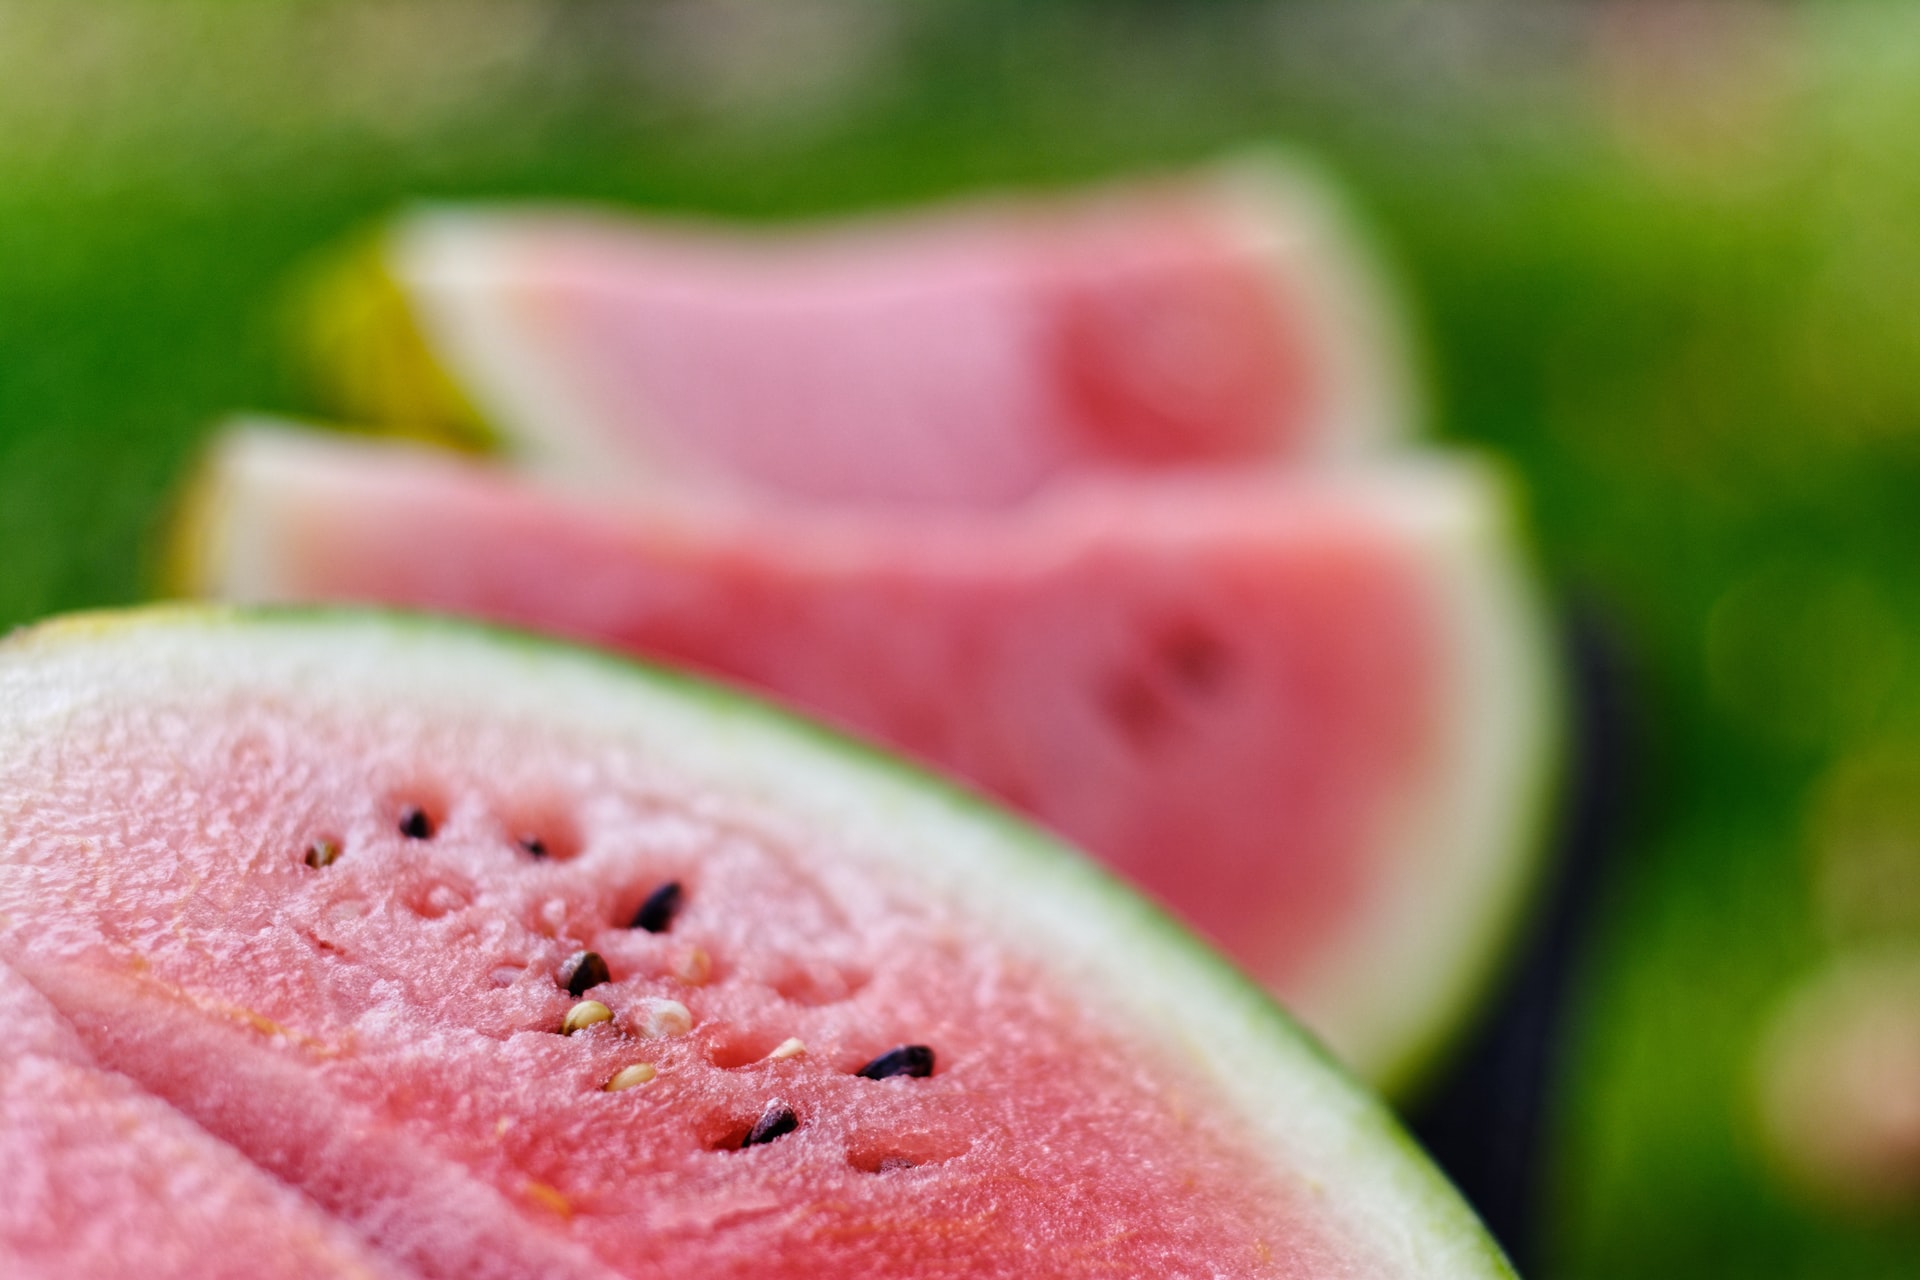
(323, 853)
(817, 984)
(656, 913)
(319, 942)
(1138, 708)
(896, 1152)
(433, 901)
(735, 1049)
(914, 1060)
(1196, 658)
(583, 971)
(542, 827)
(415, 824)
(777, 1121)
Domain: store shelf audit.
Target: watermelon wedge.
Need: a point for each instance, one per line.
(963, 356)
(1312, 714)
(366, 912)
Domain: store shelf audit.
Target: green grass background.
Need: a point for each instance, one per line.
(1667, 258)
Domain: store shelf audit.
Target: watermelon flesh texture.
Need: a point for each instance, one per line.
(99, 1178)
(376, 1041)
(966, 356)
(1306, 714)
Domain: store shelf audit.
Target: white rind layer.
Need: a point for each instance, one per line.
(455, 267)
(1302, 1116)
(1408, 972)
(1317, 252)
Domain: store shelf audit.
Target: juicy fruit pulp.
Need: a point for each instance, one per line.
(100, 1178)
(375, 1036)
(1306, 713)
(964, 357)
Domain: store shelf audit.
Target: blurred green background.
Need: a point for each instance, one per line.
(1664, 256)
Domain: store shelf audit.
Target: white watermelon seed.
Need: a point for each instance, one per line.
(791, 1047)
(628, 1077)
(322, 853)
(584, 1015)
(664, 1018)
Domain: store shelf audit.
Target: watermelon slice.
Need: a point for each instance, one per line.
(963, 356)
(305, 896)
(1311, 714)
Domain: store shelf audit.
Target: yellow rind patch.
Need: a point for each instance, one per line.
(364, 349)
(176, 567)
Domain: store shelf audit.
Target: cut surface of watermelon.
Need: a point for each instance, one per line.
(99, 1178)
(1311, 714)
(312, 887)
(963, 356)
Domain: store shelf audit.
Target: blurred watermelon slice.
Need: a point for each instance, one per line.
(1313, 714)
(303, 899)
(963, 356)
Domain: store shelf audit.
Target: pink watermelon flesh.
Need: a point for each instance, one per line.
(1239, 694)
(965, 357)
(326, 1065)
(98, 1178)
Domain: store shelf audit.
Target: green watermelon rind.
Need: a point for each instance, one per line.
(1377, 1186)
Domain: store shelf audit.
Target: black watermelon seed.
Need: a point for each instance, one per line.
(583, 971)
(534, 845)
(907, 1060)
(656, 913)
(776, 1121)
(322, 853)
(415, 824)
